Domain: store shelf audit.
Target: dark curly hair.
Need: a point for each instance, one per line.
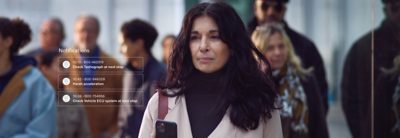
(247, 79)
(139, 29)
(18, 30)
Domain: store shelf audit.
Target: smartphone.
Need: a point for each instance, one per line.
(166, 129)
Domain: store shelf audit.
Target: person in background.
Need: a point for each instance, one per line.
(388, 94)
(102, 118)
(357, 83)
(71, 118)
(51, 36)
(302, 111)
(27, 104)
(167, 44)
(142, 73)
(216, 86)
(273, 11)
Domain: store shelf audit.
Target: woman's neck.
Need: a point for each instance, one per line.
(5, 63)
(212, 76)
(206, 81)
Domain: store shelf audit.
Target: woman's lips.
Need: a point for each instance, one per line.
(204, 60)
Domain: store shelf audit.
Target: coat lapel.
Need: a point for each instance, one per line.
(178, 113)
(13, 89)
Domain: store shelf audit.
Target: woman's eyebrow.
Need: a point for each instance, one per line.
(194, 32)
(213, 31)
(210, 31)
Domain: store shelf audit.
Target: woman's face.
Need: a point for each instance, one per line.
(277, 52)
(5, 44)
(209, 52)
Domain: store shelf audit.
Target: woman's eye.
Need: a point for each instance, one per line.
(194, 37)
(281, 46)
(215, 37)
(270, 47)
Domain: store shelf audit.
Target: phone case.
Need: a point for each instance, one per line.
(166, 129)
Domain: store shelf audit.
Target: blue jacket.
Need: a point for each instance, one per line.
(139, 84)
(33, 112)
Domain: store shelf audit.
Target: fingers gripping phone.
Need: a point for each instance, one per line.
(166, 129)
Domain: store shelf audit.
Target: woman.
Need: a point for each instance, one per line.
(27, 104)
(215, 84)
(302, 113)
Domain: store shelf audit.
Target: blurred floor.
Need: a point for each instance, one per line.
(336, 122)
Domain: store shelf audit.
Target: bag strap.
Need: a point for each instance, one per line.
(162, 105)
(13, 89)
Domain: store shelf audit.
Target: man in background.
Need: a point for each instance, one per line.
(167, 45)
(51, 36)
(102, 118)
(357, 79)
(142, 73)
